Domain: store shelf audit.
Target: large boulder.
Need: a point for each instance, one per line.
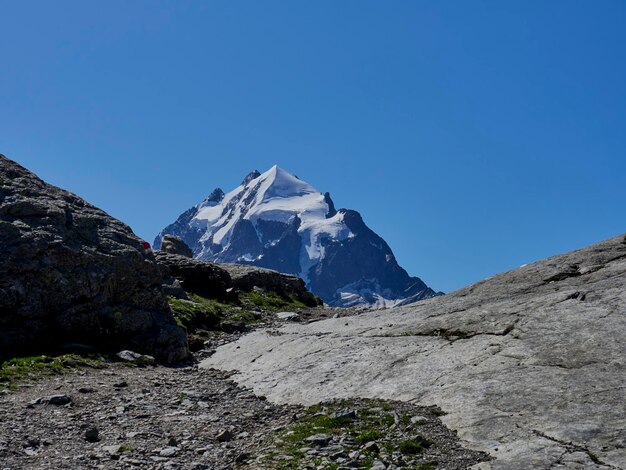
(195, 276)
(175, 246)
(70, 273)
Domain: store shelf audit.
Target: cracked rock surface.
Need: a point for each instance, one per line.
(530, 365)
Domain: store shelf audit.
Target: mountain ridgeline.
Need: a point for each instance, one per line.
(277, 221)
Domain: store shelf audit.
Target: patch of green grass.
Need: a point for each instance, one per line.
(367, 436)
(200, 314)
(197, 313)
(247, 317)
(314, 424)
(410, 447)
(387, 420)
(372, 424)
(20, 369)
(270, 301)
(426, 466)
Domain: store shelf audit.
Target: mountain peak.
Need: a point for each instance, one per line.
(254, 174)
(278, 221)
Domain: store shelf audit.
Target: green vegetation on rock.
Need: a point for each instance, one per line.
(197, 313)
(34, 368)
(269, 301)
(367, 424)
(201, 314)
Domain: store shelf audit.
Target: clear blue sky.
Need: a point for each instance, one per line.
(473, 136)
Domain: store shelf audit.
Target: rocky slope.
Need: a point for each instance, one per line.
(70, 273)
(277, 221)
(184, 418)
(529, 364)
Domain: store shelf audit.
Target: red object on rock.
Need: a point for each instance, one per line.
(146, 245)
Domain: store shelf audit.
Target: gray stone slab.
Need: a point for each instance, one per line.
(530, 365)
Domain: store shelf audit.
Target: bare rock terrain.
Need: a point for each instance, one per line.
(118, 416)
(530, 365)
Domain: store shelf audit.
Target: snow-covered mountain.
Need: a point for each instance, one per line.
(277, 221)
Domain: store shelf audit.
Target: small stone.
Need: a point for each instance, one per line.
(112, 450)
(344, 413)
(319, 438)
(126, 355)
(224, 435)
(56, 400)
(287, 315)
(33, 442)
(172, 442)
(378, 465)
(199, 466)
(332, 449)
(121, 384)
(92, 434)
(242, 457)
(168, 451)
(371, 446)
(86, 390)
(419, 419)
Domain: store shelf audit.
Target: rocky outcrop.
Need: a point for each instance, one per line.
(529, 365)
(219, 281)
(195, 276)
(246, 278)
(175, 246)
(70, 273)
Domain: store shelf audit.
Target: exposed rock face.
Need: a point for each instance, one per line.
(175, 246)
(246, 278)
(196, 276)
(530, 364)
(70, 273)
(277, 221)
(213, 280)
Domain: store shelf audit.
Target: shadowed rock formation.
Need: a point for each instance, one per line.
(217, 280)
(175, 246)
(195, 276)
(70, 273)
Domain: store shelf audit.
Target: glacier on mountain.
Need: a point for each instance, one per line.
(277, 221)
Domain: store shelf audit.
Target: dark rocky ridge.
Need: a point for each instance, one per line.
(246, 278)
(195, 276)
(70, 273)
(221, 281)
